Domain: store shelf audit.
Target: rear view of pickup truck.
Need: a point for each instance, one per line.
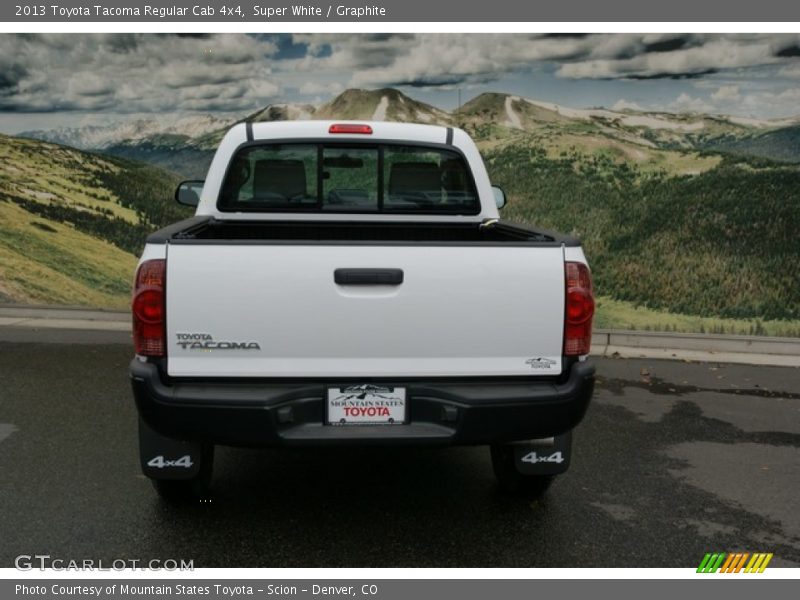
(352, 284)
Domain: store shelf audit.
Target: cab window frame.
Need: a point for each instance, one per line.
(380, 145)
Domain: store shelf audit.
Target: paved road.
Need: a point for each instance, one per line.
(673, 460)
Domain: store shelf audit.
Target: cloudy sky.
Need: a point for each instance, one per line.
(55, 80)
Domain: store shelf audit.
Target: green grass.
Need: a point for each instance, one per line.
(59, 265)
(72, 223)
(616, 314)
(48, 174)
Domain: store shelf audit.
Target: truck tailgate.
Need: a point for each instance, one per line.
(274, 310)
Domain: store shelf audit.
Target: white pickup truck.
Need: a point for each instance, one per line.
(352, 283)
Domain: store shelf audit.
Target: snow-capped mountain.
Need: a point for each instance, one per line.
(381, 105)
(99, 137)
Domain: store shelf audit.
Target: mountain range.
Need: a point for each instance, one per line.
(185, 145)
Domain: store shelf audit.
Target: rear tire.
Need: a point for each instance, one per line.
(510, 480)
(183, 491)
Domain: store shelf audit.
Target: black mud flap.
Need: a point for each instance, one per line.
(549, 456)
(164, 458)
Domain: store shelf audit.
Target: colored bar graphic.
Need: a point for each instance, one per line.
(727, 564)
(736, 562)
(724, 562)
(751, 563)
(760, 558)
(759, 562)
(765, 563)
(719, 562)
(703, 563)
(742, 561)
(711, 562)
(712, 565)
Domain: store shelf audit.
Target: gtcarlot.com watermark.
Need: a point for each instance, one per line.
(43, 562)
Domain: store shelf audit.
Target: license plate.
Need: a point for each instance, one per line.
(366, 404)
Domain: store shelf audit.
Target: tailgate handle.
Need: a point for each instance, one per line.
(368, 276)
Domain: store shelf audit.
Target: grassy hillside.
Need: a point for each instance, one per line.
(722, 243)
(73, 223)
(619, 314)
(780, 145)
(42, 262)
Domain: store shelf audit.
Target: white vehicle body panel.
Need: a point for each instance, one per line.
(460, 311)
(153, 252)
(262, 309)
(574, 254)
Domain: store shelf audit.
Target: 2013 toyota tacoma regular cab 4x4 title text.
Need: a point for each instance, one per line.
(351, 283)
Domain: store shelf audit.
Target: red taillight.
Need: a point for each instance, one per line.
(579, 310)
(149, 314)
(350, 128)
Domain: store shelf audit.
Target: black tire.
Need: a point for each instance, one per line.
(511, 481)
(195, 489)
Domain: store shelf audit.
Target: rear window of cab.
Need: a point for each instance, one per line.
(320, 177)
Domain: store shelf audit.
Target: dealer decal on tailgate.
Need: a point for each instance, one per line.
(366, 404)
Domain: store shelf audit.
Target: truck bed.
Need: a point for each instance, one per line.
(206, 230)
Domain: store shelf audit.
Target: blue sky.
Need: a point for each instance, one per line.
(54, 80)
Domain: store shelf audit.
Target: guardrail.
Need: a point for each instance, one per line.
(605, 342)
(603, 339)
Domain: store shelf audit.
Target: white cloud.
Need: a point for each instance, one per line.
(713, 54)
(130, 73)
(436, 60)
(776, 104)
(730, 100)
(313, 87)
(790, 71)
(623, 104)
(686, 103)
(726, 93)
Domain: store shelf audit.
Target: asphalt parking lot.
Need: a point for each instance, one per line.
(673, 460)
